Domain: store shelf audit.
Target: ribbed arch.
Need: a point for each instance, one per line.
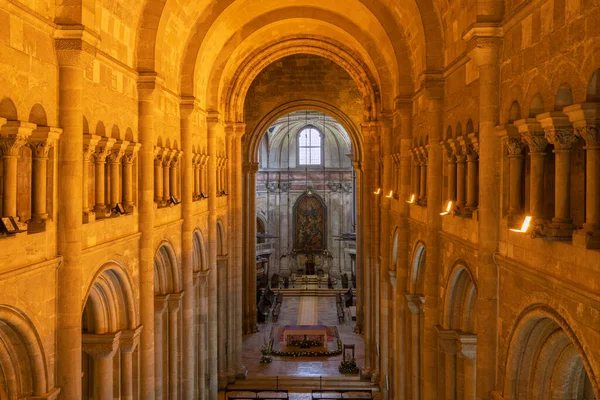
(166, 273)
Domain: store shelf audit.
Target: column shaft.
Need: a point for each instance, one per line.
(115, 179)
(158, 352)
(174, 349)
(166, 180)
(472, 181)
(460, 182)
(126, 375)
(158, 180)
(128, 184)
(9, 186)
(103, 378)
(40, 167)
(536, 185)
(515, 183)
(562, 187)
(592, 188)
(451, 180)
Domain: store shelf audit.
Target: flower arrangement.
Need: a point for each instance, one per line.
(348, 367)
(306, 353)
(266, 351)
(305, 343)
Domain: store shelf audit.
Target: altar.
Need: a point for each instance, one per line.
(302, 332)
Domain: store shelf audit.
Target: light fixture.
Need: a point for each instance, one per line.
(378, 191)
(412, 199)
(203, 195)
(525, 225)
(118, 209)
(173, 201)
(223, 193)
(389, 196)
(448, 209)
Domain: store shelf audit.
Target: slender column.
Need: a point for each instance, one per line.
(586, 121)
(102, 151)
(231, 270)
(461, 163)
(451, 170)
(160, 305)
(251, 248)
(187, 261)
(196, 164)
(472, 156)
(448, 346)
(511, 140)
(201, 281)
(13, 136)
(415, 306)
(158, 176)
(174, 170)
(128, 160)
(166, 164)
(416, 170)
(174, 304)
(89, 147)
(148, 90)
(485, 48)
(128, 343)
(214, 125)
(114, 158)
(73, 55)
(42, 140)
(102, 349)
(203, 173)
(423, 177)
(467, 351)
(533, 135)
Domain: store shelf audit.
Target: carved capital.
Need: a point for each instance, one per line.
(175, 158)
(131, 153)
(43, 139)
(590, 133)
(484, 44)
(130, 338)
(459, 151)
(100, 346)
(536, 143)
(167, 155)
(447, 340)
(174, 302)
(13, 136)
(117, 152)
(467, 345)
(561, 138)
(448, 152)
(160, 303)
(89, 145)
(414, 302)
(103, 149)
(285, 186)
(514, 146)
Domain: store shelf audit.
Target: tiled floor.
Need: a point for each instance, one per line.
(301, 366)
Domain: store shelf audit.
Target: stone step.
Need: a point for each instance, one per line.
(303, 384)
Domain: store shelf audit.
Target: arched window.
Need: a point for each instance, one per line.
(310, 143)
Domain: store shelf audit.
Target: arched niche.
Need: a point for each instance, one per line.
(417, 271)
(199, 254)
(166, 276)
(593, 88)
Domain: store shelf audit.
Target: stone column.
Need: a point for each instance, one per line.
(448, 346)
(467, 351)
(158, 176)
(514, 145)
(166, 173)
(128, 343)
(214, 126)
(533, 135)
(586, 121)
(451, 170)
(559, 132)
(250, 318)
(415, 306)
(174, 304)
(416, 170)
(114, 158)
(201, 281)
(196, 165)
(42, 140)
(102, 151)
(174, 172)
(461, 167)
(148, 90)
(423, 177)
(13, 136)
(128, 160)
(160, 305)
(102, 349)
(89, 147)
(75, 50)
(187, 261)
(485, 48)
(472, 157)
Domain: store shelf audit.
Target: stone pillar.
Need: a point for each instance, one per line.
(89, 147)
(416, 170)
(514, 146)
(559, 132)
(586, 121)
(160, 305)
(461, 176)
(451, 170)
(42, 140)
(158, 176)
(467, 351)
(415, 304)
(128, 161)
(166, 174)
(448, 346)
(102, 349)
(196, 165)
(533, 135)
(13, 136)
(231, 268)
(201, 282)
(148, 90)
(174, 172)
(472, 157)
(75, 50)
(214, 125)
(174, 304)
(423, 176)
(114, 158)
(250, 318)
(187, 260)
(128, 343)
(102, 151)
(484, 44)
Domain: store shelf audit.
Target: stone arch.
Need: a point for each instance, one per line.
(536, 106)
(255, 137)
(514, 112)
(593, 88)
(23, 366)
(109, 304)
(563, 98)
(37, 115)
(221, 239)
(513, 97)
(417, 270)
(448, 133)
(545, 359)
(459, 131)
(261, 226)
(8, 109)
(537, 96)
(461, 294)
(86, 125)
(199, 254)
(129, 135)
(115, 132)
(567, 75)
(469, 127)
(166, 273)
(100, 129)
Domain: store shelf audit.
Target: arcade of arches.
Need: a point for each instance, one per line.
(141, 141)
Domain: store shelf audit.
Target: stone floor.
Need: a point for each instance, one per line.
(291, 313)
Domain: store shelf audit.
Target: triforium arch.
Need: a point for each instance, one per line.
(199, 255)
(167, 278)
(23, 368)
(546, 359)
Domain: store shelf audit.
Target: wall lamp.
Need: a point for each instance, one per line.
(412, 199)
(389, 196)
(378, 191)
(203, 195)
(448, 209)
(525, 225)
(118, 210)
(173, 201)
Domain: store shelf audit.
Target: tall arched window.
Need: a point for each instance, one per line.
(310, 144)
